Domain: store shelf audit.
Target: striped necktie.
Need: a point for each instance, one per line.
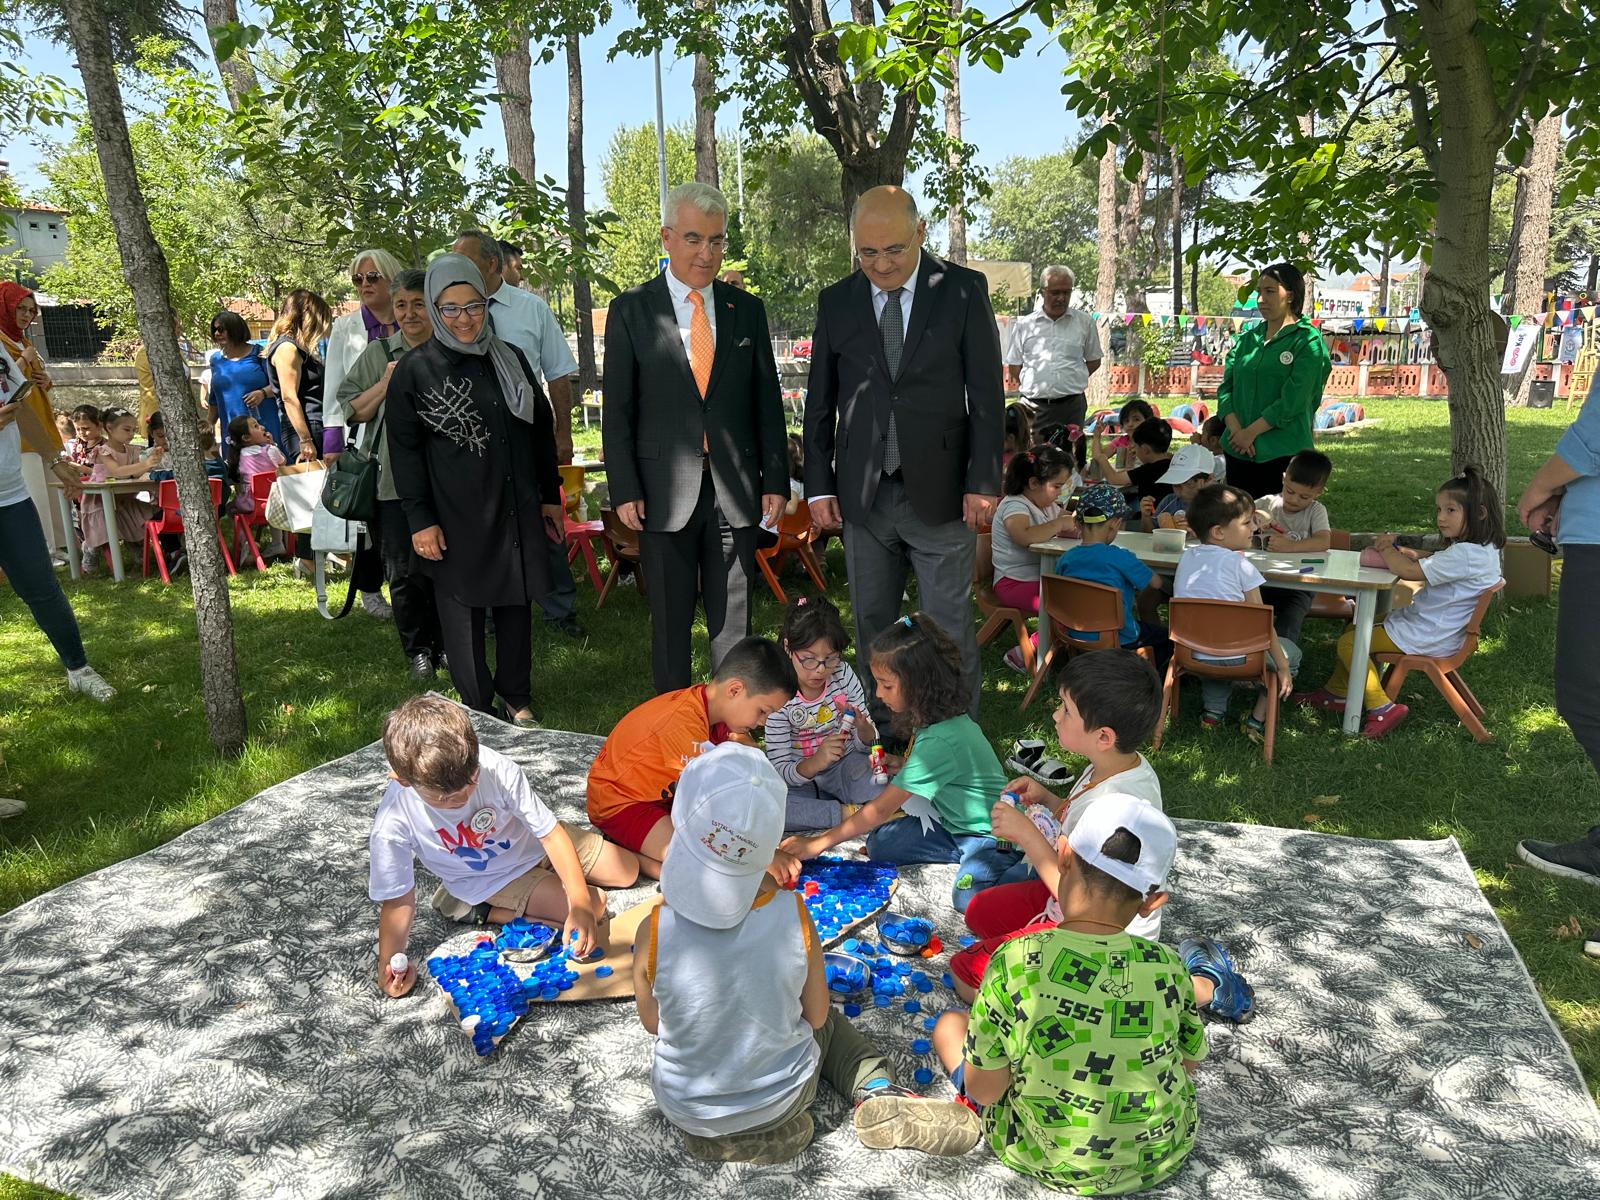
(892, 329)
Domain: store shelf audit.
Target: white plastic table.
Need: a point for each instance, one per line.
(108, 491)
(1295, 572)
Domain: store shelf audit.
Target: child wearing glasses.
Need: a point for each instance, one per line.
(820, 741)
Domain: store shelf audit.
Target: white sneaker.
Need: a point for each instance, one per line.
(87, 680)
(89, 562)
(374, 605)
(10, 808)
(1013, 659)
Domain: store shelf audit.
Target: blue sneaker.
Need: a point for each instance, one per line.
(1235, 999)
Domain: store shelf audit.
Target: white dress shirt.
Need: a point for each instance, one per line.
(685, 311)
(526, 322)
(1054, 355)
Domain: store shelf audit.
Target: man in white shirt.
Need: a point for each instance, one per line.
(526, 322)
(1053, 351)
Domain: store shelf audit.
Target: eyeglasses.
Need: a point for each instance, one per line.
(370, 277)
(872, 254)
(694, 241)
(831, 663)
(451, 311)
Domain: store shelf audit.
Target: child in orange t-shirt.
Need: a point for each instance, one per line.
(633, 778)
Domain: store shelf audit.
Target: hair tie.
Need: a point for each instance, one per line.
(801, 603)
(906, 621)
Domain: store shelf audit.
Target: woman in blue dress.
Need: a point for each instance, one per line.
(239, 380)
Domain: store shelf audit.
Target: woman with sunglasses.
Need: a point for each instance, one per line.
(240, 384)
(472, 446)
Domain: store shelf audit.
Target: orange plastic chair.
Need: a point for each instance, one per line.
(169, 519)
(997, 614)
(794, 537)
(622, 547)
(1334, 608)
(1226, 629)
(1078, 606)
(1445, 672)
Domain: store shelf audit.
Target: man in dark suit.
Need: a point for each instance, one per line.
(695, 447)
(905, 423)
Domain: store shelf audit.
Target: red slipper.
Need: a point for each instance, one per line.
(1321, 698)
(1380, 723)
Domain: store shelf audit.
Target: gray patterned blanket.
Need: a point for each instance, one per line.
(200, 1022)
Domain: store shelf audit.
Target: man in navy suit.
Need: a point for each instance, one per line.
(904, 423)
(695, 446)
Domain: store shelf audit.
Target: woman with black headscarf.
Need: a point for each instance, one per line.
(472, 447)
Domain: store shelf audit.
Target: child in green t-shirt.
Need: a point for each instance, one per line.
(1081, 1039)
(950, 764)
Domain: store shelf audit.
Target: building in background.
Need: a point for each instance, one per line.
(33, 237)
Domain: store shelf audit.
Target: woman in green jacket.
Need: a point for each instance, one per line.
(1272, 384)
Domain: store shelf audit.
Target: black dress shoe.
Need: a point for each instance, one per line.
(421, 667)
(571, 626)
(441, 663)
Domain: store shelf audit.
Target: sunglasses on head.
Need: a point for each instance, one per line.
(370, 277)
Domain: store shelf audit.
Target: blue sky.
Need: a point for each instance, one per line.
(1019, 113)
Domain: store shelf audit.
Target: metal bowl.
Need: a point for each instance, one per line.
(843, 961)
(896, 945)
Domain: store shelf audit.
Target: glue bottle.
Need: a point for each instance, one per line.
(880, 765)
(847, 725)
(399, 964)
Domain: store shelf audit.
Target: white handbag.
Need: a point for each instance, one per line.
(293, 500)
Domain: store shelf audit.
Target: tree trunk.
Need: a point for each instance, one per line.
(582, 295)
(145, 267)
(957, 220)
(1194, 240)
(238, 76)
(1381, 307)
(1455, 299)
(511, 68)
(1105, 284)
(705, 123)
(1530, 234)
(1177, 232)
(1130, 267)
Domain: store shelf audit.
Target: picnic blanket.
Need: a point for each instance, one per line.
(201, 1021)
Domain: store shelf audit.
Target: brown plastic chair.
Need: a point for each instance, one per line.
(1226, 629)
(997, 614)
(1078, 606)
(794, 537)
(1445, 672)
(1334, 608)
(622, 547)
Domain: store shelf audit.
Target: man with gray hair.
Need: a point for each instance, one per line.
(1053, 351)
(693, 429)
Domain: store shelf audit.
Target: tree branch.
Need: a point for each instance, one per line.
(1519, 86)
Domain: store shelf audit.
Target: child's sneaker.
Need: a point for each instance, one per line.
(1321, 698)
(87, 680)
(1380, 721)
(1013, 659)
(888, 1116)
(1235, 999)
(11, 808)
(1210, 722)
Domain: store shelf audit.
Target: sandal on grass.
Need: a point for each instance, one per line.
(1027, 756)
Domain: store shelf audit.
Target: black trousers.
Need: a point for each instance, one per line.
(1057, 412)
(706, 558)
(416, 617)
(1578, 647)
(512, 677)
(1259, 478)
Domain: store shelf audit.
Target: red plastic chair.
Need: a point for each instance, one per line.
(794, 537)
(1444, 672)
(581, 537)
(169, 519)
(246, 523)
(1078, 606)
(1225, 629)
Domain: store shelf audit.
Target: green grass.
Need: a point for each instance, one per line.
(106, 783)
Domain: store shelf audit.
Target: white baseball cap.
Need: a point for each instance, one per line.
(1188, 461)
(1158, 840)
(727, 817)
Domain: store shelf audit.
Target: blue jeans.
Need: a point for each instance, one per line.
(1214, 693)
(815, 805)
(981, 862)
(26, 561)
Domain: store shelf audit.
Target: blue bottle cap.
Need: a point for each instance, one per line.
(924, 987)
(912, 1006)
(928, 1023)
(880, 1001)
(923, 1076)
(921, 1046)
(549, 993)
(968, 940)
(602, 972)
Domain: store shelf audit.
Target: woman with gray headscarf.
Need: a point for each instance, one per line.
(473, 452)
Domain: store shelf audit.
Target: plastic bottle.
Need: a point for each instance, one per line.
(880, 765)
(847, 725)
(399, 964)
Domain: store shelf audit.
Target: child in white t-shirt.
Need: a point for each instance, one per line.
(1223, 518)
(728, 975)
(1469, 519)
(1295, 523)
(468, 813)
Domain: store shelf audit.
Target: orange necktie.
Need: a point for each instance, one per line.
(701, 348)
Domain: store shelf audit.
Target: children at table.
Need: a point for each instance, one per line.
(467, 812)
(116, 458)
(949, 764)
(728, 974)
(1080, 1042)
(1102, 510)
(1468, 516)
(1223, 518)
(819, 741)
(633, 778)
